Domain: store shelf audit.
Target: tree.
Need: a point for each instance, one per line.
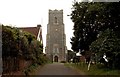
(109, 44)
(92, 18)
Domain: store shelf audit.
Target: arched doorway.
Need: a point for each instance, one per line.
(56, 59)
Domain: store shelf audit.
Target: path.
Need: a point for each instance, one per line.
(56, 69)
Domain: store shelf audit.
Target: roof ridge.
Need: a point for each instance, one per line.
(33, 30)
(27, 27)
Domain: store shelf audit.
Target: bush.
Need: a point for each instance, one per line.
(30, 69)
(42, 60)
(17, 44)
(63, 61)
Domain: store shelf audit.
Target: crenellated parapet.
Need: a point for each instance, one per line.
(55, 15)
(55, 10)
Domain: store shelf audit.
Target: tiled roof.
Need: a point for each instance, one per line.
(32, 30)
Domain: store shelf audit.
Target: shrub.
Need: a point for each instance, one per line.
(63, 61)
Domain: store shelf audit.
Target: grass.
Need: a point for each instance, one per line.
(97, 69)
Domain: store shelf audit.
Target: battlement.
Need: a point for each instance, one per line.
(55, 10)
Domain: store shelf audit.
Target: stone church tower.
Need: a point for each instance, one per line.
(56, 38)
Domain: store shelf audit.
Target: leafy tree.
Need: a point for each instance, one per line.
(92, 18)
(76, 18)
(109, 44)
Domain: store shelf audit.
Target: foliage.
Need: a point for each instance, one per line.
(8, 43)
(97, 29)
(70, 55)
(42, 60)
(92, 18)
(17, 43)
(109, 44)
(30, 69)
(63, 62)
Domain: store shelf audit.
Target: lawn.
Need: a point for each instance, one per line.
(97, 69)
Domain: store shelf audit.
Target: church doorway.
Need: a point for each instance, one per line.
(56, 59)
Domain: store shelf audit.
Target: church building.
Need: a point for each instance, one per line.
(56, 39)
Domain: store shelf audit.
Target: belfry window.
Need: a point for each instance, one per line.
(55, 19)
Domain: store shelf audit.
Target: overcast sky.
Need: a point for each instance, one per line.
(29, 13)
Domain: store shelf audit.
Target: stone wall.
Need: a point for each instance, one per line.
(56, 38)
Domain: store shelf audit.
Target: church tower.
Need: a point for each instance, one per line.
(56, 38)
